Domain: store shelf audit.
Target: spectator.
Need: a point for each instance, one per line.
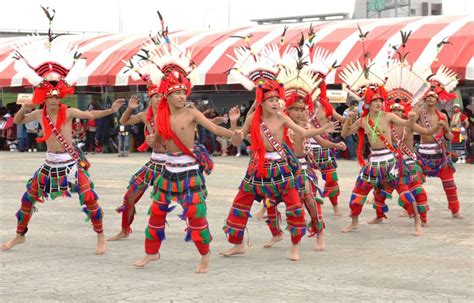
(223, 141)
(203, 134)
(32, 133)
(459, 125)
(78, 133)
(91, 129)
(10, 133)
(124, 137)
(351, 140)
(3, 133)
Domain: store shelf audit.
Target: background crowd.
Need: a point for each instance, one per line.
(105, 135)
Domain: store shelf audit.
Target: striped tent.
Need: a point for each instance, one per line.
(105, 52)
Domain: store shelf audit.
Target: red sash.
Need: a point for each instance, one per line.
(381, 136)
(316, 124)
(81, 161)
(406, 150)
(277, 146)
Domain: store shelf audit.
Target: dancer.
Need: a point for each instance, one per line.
(273, 166)
(404, 89)
(146, 175)
(64, 170)
(436, 162)
(182, 178)
(381, 173)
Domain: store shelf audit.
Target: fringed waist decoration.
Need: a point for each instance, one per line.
(380, 171)
(56, 180)
(429, 148)
(380, 155)
(272, 156)
(303, 162)
(432, 163)
(277, 179)
(146, 175)
(323, 158)
(58, 159)
(412, 173)
(177, 162)
(186, 187)
(158, 157)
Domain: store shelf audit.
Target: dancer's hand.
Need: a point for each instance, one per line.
(133, 102)
(28, 106)
(150, 139)
(234, 113)
(117, 104)
(341, 146)
(332, 127)
(237, 138)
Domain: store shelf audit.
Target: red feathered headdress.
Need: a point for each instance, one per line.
(443, 83)
(266, 89)
(259, 70)
(52, 65)
(152, 89)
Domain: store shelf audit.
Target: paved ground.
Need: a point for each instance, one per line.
(375, 263)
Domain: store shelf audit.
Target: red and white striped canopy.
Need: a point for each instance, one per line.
(105, 52)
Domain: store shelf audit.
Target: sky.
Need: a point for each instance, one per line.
(139, 16)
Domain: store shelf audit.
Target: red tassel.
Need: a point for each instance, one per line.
(163, 125)
(61, 119)
(257, 143)
(360, 146)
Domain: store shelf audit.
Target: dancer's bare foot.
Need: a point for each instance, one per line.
(18, 239)
(376, 220)
(425, 224)
(261, 213)
(418, 229)
(403, 213)
(295, 252)
(237, 249)
(203, 264)
(273, 240)
(337, 210)
(146, 259)
(320, 243)
(122, 234)
(100, 247)
(354, 224)
(458, 216)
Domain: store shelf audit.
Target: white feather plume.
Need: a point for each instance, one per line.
(27, 72)
(78, 67)
(34, 51)
(446, 77)
(302, 82)
(321, 61)
(356, 79)
(251, 64)
(401, 78)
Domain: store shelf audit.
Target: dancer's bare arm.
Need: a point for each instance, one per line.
(349, 127)
(207, 124)
(328, 128)
(95, 114)
(428, 131)
(338, 117)
(127, 118)
(22, 117)
(329, 144)
(252, 109)
(402, 122)
(246, 128)
(446, 130)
